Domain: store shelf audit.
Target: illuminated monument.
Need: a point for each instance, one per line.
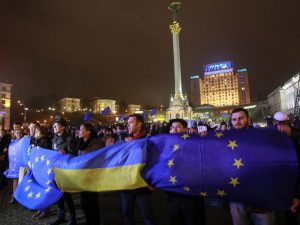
(179, 105)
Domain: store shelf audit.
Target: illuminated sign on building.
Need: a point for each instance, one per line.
(195, 77)
(222, 67)
(242, 70)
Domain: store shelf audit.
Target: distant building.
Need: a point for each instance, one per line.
(274, 101)
(69, 105)
(99, 104)
(133, 108)
(220, 86)
(243, 86)
(5, 102)
(284, 98)
(195, 90)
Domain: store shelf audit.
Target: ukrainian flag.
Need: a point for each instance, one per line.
(254, 166)
(117, 167)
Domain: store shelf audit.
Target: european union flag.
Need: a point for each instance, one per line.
(153, 112)
(87, 116)
(37, 190)
(144, 115)
(254, 166)
(121, 117)
(106, 111)
(18, 155)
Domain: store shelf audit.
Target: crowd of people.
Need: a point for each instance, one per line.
(182, 210)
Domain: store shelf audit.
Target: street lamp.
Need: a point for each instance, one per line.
(25, 109)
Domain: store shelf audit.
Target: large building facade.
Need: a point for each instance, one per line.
(220, 86)
(69, 105)
(5, 102)
(100, 104)
(133, 108)
(284, 98)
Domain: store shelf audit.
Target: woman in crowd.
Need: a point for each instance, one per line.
(89, 200)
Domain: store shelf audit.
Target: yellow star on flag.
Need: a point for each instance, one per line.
(234, 181)
(49, 171)
(185, 136)
(186, 188)
(221, 193)
(48, 189)
(36, 159)
(203, 194)
(48, 182)
(32, 165)
(175, 147)
(238, 163)
(38, 195)
(29, 181)
(173, 179)
(232, 144)
(42, 158)
(48, 162)
(30, 195)
(219, 134)
(170, 163)
(27, 188)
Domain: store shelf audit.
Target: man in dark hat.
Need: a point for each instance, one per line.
(64, 144)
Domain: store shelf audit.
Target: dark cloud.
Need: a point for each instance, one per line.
(123, 49)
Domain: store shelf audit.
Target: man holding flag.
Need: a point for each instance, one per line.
(184, 209)
(63, 143)
(243, 214)
(142, 195)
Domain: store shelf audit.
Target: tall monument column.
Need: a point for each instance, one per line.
(175, 30)
(179, 105)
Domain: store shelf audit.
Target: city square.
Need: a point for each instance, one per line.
(112, 113)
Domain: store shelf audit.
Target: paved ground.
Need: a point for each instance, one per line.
(15, 214)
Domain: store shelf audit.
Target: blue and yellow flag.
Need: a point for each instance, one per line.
(37, 190)
(87, 116)
(153, 112)
(254, 166)
(117, 167)
(18, 156)
(106, 111)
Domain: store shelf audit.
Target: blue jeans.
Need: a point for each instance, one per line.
(242, 215)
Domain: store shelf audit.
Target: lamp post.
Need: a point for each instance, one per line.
(25, 109)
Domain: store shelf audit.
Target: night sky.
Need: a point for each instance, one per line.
(120, 49)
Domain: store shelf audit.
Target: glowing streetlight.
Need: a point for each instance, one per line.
(25, 109)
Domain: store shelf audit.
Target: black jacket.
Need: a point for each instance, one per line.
(90, 145)
(65, 142)
(4, 143)
(43, 142)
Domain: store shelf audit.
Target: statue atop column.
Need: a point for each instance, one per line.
(179, 106)
(174, 8)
